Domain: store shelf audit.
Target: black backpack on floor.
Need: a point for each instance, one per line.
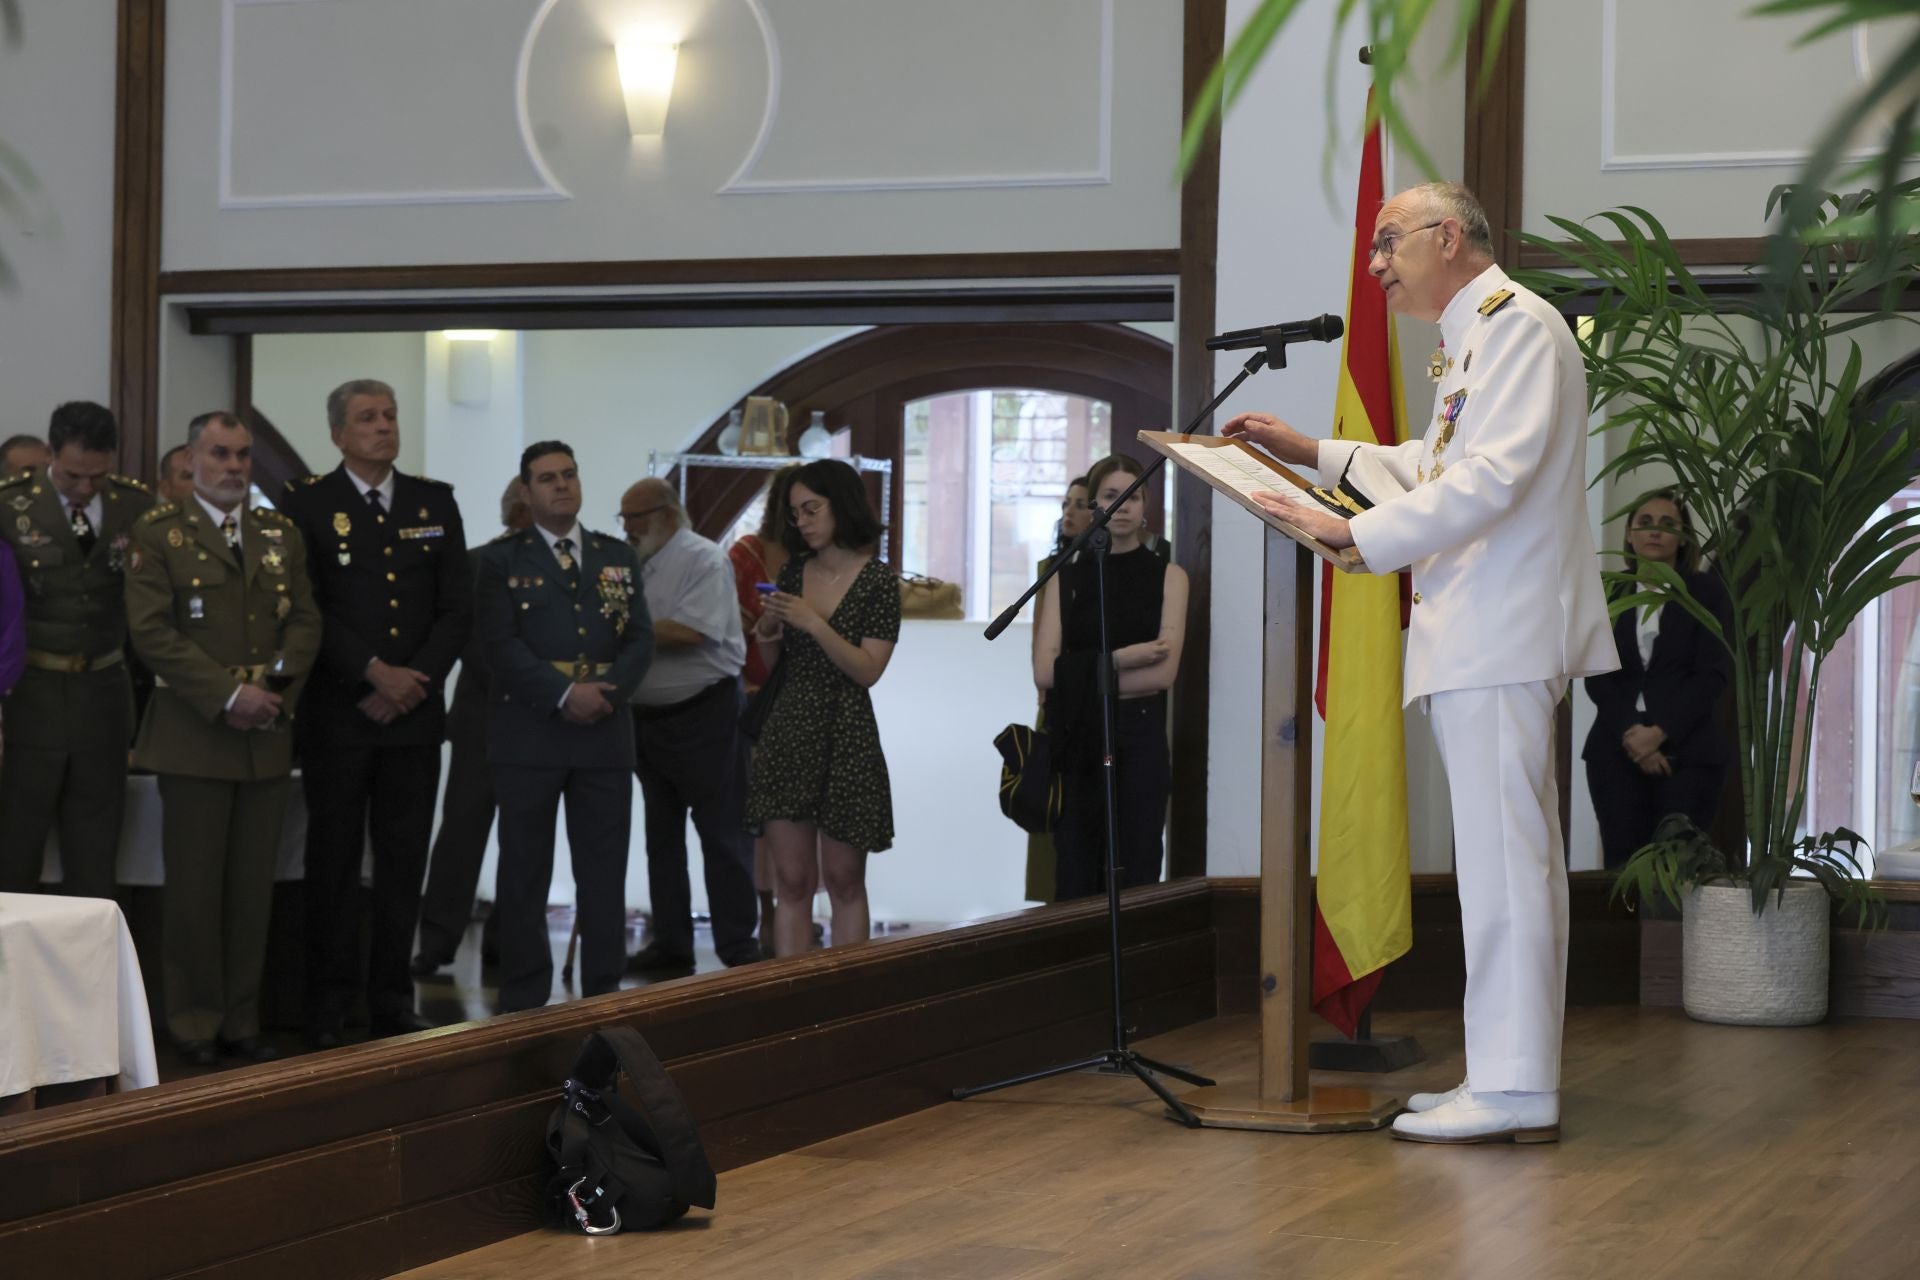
(620, 1167)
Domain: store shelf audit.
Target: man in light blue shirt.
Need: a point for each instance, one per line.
(689, 752)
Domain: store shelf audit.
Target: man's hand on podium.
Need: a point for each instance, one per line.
(1308, 517)
(1275, 436)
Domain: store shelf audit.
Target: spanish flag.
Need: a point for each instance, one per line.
(1362, 908)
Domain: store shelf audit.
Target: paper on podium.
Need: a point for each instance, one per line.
(1238, 470)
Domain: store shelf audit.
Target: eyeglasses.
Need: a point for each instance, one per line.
(809, 509)
(1383, 247)
(641, 515)
(1662, 525)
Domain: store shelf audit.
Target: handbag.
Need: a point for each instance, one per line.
(1030, 792)
(930, 598)
(621, 1167)
(753, 717)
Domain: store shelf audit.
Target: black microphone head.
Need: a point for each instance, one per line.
(1327, 328)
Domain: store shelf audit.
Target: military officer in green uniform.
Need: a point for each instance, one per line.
(566, 636)
(220, 606)
(68, 720)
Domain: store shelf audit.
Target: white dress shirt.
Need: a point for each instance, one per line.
(385, 487)
(689, 580)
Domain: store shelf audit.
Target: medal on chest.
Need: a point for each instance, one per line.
(1439, 364)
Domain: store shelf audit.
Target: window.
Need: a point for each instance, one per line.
(984, 475)
(1866, 733)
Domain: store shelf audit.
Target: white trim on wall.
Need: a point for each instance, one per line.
(1100, 175)
(552, 190)
(1613, 162)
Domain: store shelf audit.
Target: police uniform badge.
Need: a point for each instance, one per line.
(176, 539)
(341, 524)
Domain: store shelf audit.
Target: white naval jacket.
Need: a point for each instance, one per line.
(1506, 585)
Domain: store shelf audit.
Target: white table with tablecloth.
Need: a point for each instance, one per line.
(72, 1006)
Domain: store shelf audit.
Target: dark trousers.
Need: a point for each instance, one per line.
(354, 792)
(1630, 803)
(466, 819)
(692, 756)
(1143, 775)
(599, 824)
(220, 842)
(65, 770)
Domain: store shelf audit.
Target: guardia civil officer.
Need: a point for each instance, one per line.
(68, 523)
(388, 558)
(567, 639)
(1507, 606)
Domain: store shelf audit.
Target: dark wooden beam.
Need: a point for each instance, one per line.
(1496, 127)
(140, 73)
(678, 271)
(1206, 22)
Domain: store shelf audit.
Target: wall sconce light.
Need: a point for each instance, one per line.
(646, 78)
(470, 366)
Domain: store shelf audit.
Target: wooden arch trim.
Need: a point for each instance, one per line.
(865, 381)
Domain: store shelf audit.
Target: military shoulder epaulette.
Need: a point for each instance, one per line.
(438, 484)
(156, 512)
(1495, 301)
(18, 477)
(128, 482)
(271, 513)
(505, 535)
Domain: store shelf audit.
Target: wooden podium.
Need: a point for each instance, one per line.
(1284, 1100)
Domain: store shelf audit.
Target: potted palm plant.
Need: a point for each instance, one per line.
(1752, 399)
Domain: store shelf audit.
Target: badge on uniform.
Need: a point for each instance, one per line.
(1438, 363)
(196, 608)
(273, 561)
(345, 557)
(117, 553)
(342, 525)
(133, 560)
(21, 502)
(424, 515)
(175, 538)
(1450, 417)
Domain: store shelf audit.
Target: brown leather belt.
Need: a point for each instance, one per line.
(72, 663)
(581, 671)
(245, 675)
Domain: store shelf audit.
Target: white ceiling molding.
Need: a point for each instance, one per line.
(1100, 173)
(1611, 161)
(550, 188)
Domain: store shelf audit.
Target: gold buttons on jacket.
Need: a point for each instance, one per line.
(393, 604)
(389, 577)
(393, 631)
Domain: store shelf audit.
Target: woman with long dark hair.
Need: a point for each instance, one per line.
(1656, 746)
(819, 789)
(1146, 620)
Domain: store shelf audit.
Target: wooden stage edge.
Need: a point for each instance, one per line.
(372, 1159)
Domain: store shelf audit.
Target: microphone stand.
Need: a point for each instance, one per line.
(1118, 1058)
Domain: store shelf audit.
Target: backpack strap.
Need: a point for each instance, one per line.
(610, 1050)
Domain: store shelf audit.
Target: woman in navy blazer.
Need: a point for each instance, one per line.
(1657, 746)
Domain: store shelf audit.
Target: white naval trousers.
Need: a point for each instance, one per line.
(1497, 745)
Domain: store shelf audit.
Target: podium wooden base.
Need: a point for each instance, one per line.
(1334, 1110)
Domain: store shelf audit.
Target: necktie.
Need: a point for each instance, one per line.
(564, 549)
(83, 528)
(373, 500)
(230, 530)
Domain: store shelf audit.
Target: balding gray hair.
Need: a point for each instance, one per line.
(1451, 200)
(338, 397)
(663, 494)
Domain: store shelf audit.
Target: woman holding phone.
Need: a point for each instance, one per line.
(820, 792)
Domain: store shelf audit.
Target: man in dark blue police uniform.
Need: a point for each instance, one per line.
(567, 639)
(389, 567)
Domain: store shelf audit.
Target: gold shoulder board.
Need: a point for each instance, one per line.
(128, 482)
(154, 513)
(1495, 301)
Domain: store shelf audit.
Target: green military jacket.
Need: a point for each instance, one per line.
(204, 624)
(74, 601)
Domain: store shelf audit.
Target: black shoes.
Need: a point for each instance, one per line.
(425, 966)
(656, 961)
(748, 952)
(197, 1053)
(401, 1022)
(249, 1049)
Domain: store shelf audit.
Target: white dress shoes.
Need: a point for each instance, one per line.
(1428, 1101)
(1484, 1117)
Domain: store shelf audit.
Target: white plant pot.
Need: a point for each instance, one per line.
(1768, 970)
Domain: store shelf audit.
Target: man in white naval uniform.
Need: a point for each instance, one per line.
(1507, 606)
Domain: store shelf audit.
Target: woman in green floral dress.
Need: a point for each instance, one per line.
(819, 789)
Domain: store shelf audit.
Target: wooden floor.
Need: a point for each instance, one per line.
(1689, 1151)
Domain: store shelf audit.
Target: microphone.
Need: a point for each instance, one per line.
(1319, 329)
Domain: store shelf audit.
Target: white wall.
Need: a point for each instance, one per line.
(57, 113)
(362, 132)
(293, 373)
(1285, 241)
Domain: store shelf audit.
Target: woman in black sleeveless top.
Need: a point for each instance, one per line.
(1146, 619)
